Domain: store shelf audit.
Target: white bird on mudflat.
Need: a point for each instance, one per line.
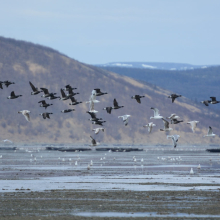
(193, 124)
(199, 167)
(150, 126)
(191, 171)
(174, 139)
(166, 126)
(156, 114)
(88, 167)
(210, 133)
(97, 130)
(26, 114)
(125, 119)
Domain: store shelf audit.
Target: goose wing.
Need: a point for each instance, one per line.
(213, 99)
(44, 115)
(12, 93)
(210, 130)
(73, 99)
(92, 114)
(43, 102)
(45, 91)
(97, 90)
(109, 109)
(1, 85)
(62, 93)
(93, 140)
(33, 87)
(138, 98)
(26, 115)
(115, 103)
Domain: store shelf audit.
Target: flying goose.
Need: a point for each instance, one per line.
(1, 83)
(52, 96)
(44, 104)
(125, 119)
(71, 93)
(98, 122)
(64, 96)
(210, 133)
(166, 126)
(46, 93)
(213, 100)
(97, 130)
(26, 114)
(94, 143)
(46, 115)
(67, 110)
(35, 89)
(156, 114)
(193, 124)
(206, 102)
(138, 98)
(13, 96)
(173, 116)
(116, 106)
(174, 96)
(8, 83)
(108, 109)
(174, 139)
(99, 93)
(93, 117)
(68, 88)
(150, 126)
(175, 121)
(74, 101)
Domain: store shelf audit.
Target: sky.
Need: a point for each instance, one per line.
(102, 31)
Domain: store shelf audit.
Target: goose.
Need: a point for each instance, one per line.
(97, 130)
(210, 133)
(71, 93)
(94, 143)
(174, 96)
(68, 88)
(175, 121)
(1, 84)
(46, 93)
(91, 107)
(193, 125)
(8, 83)
(74, 101)
(206, 102)
(46, 115)
(156, 114)
(174, 139)
(99, 93)
(116, 106)
(35, 89)
(44, 104)
(150, 126)
(98, 122)
(67, 110)
(13, 96)
(26, 114)
(166, 126)
(138, 98)
(125, 119)
(63, 95)
(52, 96)
(213, 100)
(108, 109)
(93, 116)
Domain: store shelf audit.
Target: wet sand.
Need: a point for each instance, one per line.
(38, 184)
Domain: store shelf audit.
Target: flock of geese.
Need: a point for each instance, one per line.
(99, 121)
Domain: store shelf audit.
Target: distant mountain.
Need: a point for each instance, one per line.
(154, 65)
(22, 62)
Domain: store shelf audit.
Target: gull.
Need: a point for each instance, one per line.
(210, 133)
(142, 160)
(8, 83)
(206, 102)
(67, 110)
(199, 167)
(44, 104)
(191, 171)
(35, 89)
(99, 93)
(88, 167)
(98, 129)
(174, 139)
(91, 163)
(26, 114)
(213, 100)
(94, 143)
(138, 98)
(174, 96)
(125, 119)
(150, 126)
(166, 126)
(193, 124)
(13, 96)
(91, 107)
(76, 163)
(156, 114)
(6, 140)
(74, 101)
(93, 98)
(46, 115)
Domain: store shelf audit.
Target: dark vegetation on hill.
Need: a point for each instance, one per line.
(22, 62)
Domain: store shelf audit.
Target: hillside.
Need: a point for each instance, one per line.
(22, 62)
(197, 84)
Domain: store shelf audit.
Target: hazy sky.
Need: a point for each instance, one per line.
(101, 31)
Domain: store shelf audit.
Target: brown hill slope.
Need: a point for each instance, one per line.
(22, 62)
